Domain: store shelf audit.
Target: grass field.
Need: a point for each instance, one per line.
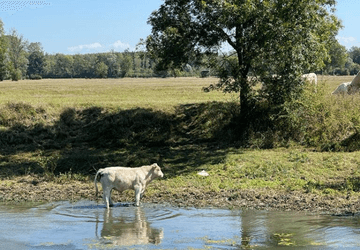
(63, 130)
(158, 93)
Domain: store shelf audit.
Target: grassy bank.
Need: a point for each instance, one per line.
(55, 134)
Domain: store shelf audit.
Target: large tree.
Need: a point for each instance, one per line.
(273, 41)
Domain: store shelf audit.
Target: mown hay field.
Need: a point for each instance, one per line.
(157, 93)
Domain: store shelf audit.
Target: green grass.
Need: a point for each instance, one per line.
(68, 128)
(279, 169)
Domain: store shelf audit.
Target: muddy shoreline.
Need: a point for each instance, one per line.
(33, 189)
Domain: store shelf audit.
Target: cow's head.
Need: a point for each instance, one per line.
(157, 170)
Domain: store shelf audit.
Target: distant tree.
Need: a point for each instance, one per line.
(113, 64)
(142, 53)
(17, 46)
(83, 65)
(34, 47)
(353, 68)
(354, 53)
(280, 38)
(36, 60)
(101, 70)
(63, 65)
(126, 63)
(49, 67)
(338, 56)
(3, 49)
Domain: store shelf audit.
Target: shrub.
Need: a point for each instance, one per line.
(15, 74)
(35, 77)
(323, 121)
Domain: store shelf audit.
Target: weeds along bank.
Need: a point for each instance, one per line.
(57, 145)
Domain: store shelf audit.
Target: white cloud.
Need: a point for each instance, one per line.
(92, 46)
(348, 42)
(349, 39)
(98, 47)
(118, 45)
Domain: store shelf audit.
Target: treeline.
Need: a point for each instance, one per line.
(20, 59)
(102, 65)
(342, 61)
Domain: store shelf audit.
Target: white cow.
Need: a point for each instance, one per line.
(342, 88)
(355, 84)
(122, 178)
(311, 77)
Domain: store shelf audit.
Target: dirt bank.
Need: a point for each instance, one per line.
(37, 189)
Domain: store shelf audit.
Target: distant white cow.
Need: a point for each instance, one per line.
(342, 88)
(311, 77)
(121, 179)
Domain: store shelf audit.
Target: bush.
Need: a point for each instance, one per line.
(35, 77)
(323, 121)
(15, 74)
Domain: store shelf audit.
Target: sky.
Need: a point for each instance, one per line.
(91, 26)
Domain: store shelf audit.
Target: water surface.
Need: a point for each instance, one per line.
(87, 225)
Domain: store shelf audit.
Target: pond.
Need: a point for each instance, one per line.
(87, 225)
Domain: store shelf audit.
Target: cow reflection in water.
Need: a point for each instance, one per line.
(123, 231)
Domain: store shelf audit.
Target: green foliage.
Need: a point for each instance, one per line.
(329, 123)
(35, 77)
(17, 55)
(63, 66)
(338, 58)
(15, 74)
(101, 70)
(126, 64)
(36, 61)
(322, 121)
(284, 38)
(354, 53)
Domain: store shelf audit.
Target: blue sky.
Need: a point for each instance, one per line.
(87, 26)
(349, 12)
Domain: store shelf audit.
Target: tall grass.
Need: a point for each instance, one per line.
(325, 121)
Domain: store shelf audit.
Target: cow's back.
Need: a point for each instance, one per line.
(121, 178)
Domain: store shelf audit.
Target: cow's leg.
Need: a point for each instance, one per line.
(111, 204)
(137, 189)
(142, 191)
(107, 196)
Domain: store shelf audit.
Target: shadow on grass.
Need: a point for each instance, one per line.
(82, 141)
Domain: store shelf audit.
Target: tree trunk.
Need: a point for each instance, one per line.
(244, 98)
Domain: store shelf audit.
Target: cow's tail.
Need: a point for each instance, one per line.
(95, 183)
